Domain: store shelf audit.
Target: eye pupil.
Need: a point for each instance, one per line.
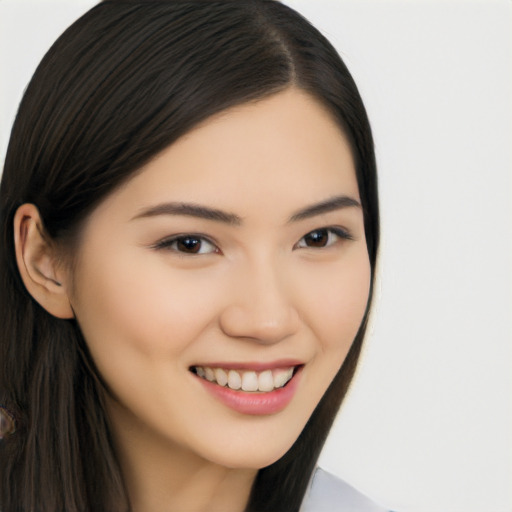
(318, 238)
(189, 244)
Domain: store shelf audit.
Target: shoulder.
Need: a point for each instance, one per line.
(327, 492)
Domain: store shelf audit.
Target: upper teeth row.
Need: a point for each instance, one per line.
(267, 380)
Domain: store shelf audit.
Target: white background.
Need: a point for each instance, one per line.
(427, 425)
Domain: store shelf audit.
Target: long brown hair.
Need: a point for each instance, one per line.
(122, 83)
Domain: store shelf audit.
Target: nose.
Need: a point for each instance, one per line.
(262, 307)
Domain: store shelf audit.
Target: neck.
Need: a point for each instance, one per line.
(161, 476)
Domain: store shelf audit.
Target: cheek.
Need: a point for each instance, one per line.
(338, 303)
(335, 311)
(133, 313)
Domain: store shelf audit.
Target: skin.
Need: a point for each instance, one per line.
(256, 292)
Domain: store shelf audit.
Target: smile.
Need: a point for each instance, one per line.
(246, 380)
(255, 391)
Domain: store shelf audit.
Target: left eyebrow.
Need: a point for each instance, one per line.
(329, 205)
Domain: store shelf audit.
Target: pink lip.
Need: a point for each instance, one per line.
(253, 402)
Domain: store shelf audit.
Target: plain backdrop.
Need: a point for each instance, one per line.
(427, 425)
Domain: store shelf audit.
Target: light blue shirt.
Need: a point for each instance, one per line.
(327, 493)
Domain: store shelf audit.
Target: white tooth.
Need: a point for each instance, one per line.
(282, 376)
(221, 376)
(200, 371)
(266, 381)
(250, 381)
(209, 374)
(234, 380)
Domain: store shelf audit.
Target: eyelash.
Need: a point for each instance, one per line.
(168, 243)
(336, 231)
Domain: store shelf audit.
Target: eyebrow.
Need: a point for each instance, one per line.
(329, 205)
(190, 210)
(205, 212)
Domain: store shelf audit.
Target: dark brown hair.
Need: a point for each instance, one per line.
(122, 83)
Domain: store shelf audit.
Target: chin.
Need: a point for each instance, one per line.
(256, 455)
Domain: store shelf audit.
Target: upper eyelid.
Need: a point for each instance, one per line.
(172, 238)
(337, 230)
(347, 233)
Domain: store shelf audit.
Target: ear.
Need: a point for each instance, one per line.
(38, 263)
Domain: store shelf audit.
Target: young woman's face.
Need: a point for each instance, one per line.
(237, 254)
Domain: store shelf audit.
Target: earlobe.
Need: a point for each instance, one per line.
(38, 263)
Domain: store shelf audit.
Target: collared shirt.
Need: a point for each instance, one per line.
(327, 493)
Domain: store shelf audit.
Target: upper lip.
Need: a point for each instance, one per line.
(255, 366)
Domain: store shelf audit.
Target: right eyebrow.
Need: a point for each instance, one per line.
(190, 210)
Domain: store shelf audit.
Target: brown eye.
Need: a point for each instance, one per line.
(324, 237)
(318, 238)
(188, 244)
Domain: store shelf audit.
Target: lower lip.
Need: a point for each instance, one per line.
(252, 402)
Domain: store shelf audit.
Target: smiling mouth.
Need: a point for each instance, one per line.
(247, 380)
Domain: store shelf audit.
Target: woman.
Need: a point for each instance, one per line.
(190, 226)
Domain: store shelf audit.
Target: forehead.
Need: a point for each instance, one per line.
(286, 149)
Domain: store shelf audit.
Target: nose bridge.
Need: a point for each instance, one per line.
(262, 306)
